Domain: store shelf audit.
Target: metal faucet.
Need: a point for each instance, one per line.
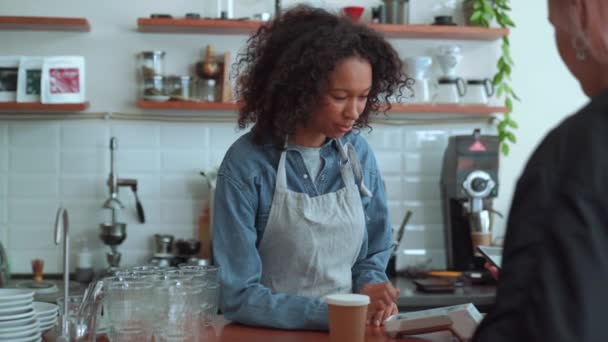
(113, 203)
(114, 183)
(62, 216)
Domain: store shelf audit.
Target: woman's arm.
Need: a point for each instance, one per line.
(369, 271)
(370, 266)
(243, 298)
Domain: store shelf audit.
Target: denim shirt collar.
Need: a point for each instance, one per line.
(332, 142)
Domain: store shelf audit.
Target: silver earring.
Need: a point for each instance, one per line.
(580, 47)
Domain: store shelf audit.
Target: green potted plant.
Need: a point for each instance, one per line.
(482, 13)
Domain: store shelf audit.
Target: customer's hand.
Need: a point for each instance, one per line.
(382, 301)
(493, 270)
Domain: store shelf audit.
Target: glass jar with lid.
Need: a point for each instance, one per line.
(152, 63)
(154, 86)
(180, 87)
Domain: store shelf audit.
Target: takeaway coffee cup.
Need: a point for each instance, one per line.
(347, 313)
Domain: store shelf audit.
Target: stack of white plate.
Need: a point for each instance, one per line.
(18, 320)
(47, 315)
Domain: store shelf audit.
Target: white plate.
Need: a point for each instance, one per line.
(157, 98)
(47, 326)
(30, 313)
(17, 302)
(33, 338)
(45, 309)
(45, 321)
(19, 334)
(47, 318)
(16, 309)
(17, 322)
(8, 295)
(30, 326)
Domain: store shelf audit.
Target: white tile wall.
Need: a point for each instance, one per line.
(44, 164)
(33, 160)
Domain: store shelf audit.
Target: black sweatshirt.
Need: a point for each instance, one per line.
(554, 279)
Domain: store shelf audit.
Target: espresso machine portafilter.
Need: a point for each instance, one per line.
(469, 182)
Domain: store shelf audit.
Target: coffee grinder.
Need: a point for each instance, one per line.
(469, 182)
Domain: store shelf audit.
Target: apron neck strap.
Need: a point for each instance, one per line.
(342, 150)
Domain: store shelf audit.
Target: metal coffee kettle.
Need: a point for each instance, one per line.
(5, 274)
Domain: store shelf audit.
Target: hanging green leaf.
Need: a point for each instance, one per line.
(476, 16)
(497, 79)
(509, 104)
(511, 137)
(512, 123)
(484, 12)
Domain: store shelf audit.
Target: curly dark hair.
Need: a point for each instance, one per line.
(283, 70)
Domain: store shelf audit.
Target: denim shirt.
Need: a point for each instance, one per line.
(245, 187)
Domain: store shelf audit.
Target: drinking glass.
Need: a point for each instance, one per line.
(177, 310)
(128, 307)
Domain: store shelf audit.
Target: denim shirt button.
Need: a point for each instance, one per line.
(305, 176)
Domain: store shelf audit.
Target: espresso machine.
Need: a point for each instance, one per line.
(469, 182)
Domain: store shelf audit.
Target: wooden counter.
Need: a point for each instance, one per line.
(224, 331)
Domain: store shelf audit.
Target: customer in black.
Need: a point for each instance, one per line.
(554, 281)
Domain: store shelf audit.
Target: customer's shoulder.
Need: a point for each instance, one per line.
(585, 131)
(576, 147)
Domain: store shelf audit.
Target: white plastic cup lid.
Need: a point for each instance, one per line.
(347, 299)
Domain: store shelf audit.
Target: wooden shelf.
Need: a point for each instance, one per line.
(440, 32)
(211, 26)
(216, 26)
(447, 108)
(184, 105)
(44, 24)
(397, 108)
(41, 107)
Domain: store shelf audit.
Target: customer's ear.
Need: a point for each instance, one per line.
(592, 15)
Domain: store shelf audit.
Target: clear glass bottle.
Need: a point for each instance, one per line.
(207, 90)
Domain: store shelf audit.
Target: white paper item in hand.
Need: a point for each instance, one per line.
(465, 318)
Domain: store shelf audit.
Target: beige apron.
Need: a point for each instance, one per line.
(311, 243)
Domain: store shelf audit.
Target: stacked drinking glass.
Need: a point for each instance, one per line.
(168, 304)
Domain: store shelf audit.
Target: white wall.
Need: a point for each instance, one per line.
(45, 163)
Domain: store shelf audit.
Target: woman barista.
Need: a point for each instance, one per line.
(300, 208)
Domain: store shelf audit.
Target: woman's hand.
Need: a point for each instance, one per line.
(382, 301)
(493, 270)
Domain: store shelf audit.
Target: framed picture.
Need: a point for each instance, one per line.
(9, 68)
(29, 79)
(63, 80)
